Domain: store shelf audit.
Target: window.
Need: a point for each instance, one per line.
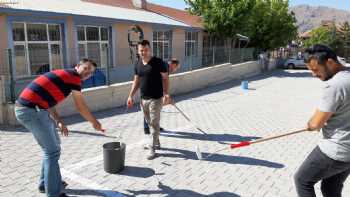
(18, 32)
(37, 32)
(37, 48)
(93, 43)
(54, 33)
(191, 44)
(162, 43)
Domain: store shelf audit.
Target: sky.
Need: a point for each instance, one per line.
(340, 4)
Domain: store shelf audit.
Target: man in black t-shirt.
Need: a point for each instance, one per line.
(151, 76)
(172, 66)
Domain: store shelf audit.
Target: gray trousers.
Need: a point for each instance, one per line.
(151, 109)
(319, 167)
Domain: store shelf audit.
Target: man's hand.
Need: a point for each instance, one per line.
(62, 128)
(167, 99)
(84, 110)
(318, 120)
(98, 127)
(130, 102)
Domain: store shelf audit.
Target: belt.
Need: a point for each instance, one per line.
(146, 97)
(36, 107)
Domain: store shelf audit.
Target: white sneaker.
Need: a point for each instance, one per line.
(152, 154)
(147, 146)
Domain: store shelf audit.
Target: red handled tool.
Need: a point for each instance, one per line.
(247, 143)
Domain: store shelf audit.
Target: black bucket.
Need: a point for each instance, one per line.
(114, 157)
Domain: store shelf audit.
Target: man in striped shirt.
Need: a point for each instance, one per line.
(35, 110)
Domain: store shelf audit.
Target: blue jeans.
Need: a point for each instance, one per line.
(43, 129)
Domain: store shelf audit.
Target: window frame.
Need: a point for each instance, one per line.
(26, 42)
(191, 44)
(100, 42)
(162, 42)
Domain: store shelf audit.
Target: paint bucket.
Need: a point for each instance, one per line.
(114, 157)
(244, 85)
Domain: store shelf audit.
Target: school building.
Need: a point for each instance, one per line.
(37, 36)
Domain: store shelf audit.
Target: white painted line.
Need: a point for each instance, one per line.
(85, 182)
(98, 158)
(86, 162)
(170, 133)
(173, 132)
(81, 164)
(90, 184)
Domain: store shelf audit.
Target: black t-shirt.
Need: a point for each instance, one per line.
(151, 81)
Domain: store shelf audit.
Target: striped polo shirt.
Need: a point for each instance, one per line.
(49, 89)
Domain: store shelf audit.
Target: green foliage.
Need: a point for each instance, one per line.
(321, 35)
(342, 41)
(337, 39)
(222, 17)
(267, 23)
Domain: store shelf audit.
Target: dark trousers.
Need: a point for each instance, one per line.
(145, 124)
(319, 167)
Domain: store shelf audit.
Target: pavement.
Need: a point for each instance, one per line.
(276, 102)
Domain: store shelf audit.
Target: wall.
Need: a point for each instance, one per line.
(200, 46)
(107, 97)
(2, 99)
(3, 44)
(123, 68)
(178, 45)
(115, 95)
(3, 66)
(72, 56)
(122, 49)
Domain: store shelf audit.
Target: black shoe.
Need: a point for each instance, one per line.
(41, 188)
(63, 195)
(161, 129)
(146, 130)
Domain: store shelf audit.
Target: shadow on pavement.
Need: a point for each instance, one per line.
(92, 192)
(195, 135)
(139, 172)
(168, 191)
(229, 159)
(94, 133)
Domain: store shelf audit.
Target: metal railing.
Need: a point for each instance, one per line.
(22, 66)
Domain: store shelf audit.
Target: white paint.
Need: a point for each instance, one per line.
(99, 158)
(87, 183)
(90, 184)
(81, 164)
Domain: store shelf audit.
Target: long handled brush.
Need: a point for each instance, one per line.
(246, 143)
(188, 119)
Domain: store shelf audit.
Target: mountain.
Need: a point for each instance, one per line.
(310, 17)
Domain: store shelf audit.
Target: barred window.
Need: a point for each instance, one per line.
(37, 48)
(162, 44)
(191, 44)
(93, 43)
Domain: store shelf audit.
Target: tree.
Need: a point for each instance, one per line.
(342, 42)
(337, 38)
(222, 17)
(268, 23)
(271, 25)
(321, 35)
